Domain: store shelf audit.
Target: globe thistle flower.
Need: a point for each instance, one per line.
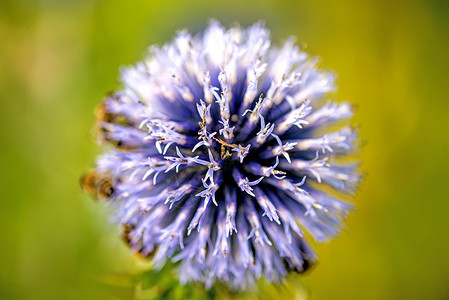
(220, 157)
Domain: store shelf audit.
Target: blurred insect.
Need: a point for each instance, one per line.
(98, 185)
(306, 265)
(125, 231)
(308, 262)
(104, 125)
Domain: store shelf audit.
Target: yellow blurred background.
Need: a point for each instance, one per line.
(59, 58)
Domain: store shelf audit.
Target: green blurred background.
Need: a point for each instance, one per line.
(59, 58)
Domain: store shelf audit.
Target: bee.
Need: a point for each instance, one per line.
(104, 120)
(308, 262)
(125, 231)
(103, 116)
(98, 185)
(306, 265)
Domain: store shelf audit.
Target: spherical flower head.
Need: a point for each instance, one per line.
(221, 156)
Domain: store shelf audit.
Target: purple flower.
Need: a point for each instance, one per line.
(221, 157)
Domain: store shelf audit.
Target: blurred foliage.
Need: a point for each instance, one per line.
(163, 284)
(59, 58)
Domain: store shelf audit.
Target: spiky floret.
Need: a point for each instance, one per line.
(219, 157)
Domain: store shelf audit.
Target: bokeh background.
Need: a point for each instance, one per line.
(59, 58)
